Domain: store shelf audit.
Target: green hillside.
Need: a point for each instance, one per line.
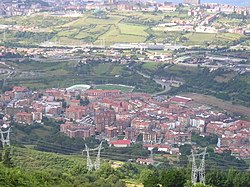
(29, 168)
(111, 27)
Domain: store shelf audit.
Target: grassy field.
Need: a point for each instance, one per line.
(123, 88)
(151, 66)
(248, 161)
(123, 34)
(181, 69)
(127, 29)
(31, 159)
(224, 105)
(225, 77)
(133, 183)
(101, 69)
(199, 38)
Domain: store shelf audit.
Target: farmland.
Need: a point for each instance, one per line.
(114, 27)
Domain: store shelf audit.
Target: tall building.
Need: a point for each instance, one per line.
(192, 2)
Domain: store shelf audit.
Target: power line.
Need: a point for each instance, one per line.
(118, 156)
(68, 150)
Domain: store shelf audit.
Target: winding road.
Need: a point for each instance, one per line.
(163, 84)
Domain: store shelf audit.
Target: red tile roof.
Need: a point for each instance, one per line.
(19, 89)
(120, 142)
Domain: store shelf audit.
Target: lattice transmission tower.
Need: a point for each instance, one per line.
(5, 137)
(198, 171)
(96, 164)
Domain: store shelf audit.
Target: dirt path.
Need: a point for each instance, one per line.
(225, 105)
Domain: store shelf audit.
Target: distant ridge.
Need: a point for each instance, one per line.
(230, 2)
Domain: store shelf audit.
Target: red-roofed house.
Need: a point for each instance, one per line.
(111, 132)
(104, 117)
(120, 143)
(20, 92)
(73, 130)
(74, 103)
(24, 117)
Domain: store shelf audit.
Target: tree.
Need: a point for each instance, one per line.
(189, 184)
(216, 178)
(149, 178)
(6, 157)
(128, 170)
(185, 149)
(172, 178)
(105, 170)
(183, 160)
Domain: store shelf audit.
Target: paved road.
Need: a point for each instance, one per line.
(163, 84)
(10, 70)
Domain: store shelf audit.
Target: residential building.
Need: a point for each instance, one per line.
(24, 117)
(120, 143)
(104, 117)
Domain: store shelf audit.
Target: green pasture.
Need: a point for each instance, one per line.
(151, 66)
(127, 29)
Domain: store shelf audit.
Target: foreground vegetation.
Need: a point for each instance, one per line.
(25, 167)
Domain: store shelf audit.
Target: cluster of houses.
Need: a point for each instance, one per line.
(152, 6)
(234, 136)
(120, 118)
(19, 8)
(202, 18)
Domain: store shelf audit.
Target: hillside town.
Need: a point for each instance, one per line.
(162, 122)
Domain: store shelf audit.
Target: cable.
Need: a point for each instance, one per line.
(68, 150)
(65, 149)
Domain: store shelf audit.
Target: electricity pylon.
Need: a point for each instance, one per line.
(5, 140)
(89, 162)
(90, 165)
(198, 171)
(202, 168)
(194, 169)
(98, 161)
